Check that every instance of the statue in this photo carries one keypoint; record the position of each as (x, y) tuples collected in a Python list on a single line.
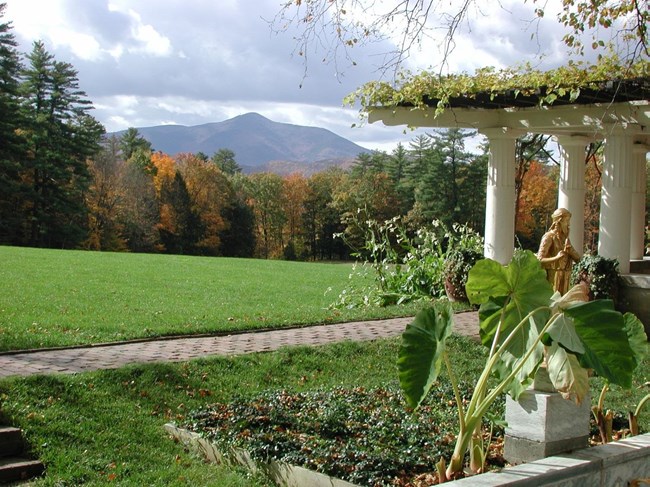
[(556, 253)]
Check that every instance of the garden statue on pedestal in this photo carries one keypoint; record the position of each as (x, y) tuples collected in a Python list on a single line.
[(556, 253)]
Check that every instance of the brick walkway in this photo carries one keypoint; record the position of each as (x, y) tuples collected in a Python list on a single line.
[(83, 359)]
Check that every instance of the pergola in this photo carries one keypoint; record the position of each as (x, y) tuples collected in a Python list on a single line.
[(617, 113)]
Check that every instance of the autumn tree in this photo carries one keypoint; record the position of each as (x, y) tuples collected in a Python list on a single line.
[(593, 189), (538, 201), (211, 193), (103, 198), (372, 197), (294, 196), (320, 219), (265, 198), (138, 213)]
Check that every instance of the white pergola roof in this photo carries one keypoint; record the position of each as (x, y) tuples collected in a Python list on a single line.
[(592, 121)]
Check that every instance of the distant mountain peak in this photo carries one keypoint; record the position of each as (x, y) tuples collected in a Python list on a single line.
[(256, 141)]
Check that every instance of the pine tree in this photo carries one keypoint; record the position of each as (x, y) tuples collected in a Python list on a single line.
[(60, 136), (11, 148)]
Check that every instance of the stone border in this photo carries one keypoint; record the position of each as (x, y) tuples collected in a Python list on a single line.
[(614, 464), (279, 472)]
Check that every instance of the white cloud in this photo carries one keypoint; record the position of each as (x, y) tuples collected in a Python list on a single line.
[(162, 61), (151, 41)]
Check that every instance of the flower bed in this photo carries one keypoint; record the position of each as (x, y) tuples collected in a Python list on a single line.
[(363, 436)]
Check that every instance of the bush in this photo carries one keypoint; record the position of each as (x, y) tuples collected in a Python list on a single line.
[(406, 267), (599, 273)]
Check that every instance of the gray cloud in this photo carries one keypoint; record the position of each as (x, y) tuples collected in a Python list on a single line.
[(162, 61)]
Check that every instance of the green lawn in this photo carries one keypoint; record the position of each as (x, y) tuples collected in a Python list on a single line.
[(63, 297)]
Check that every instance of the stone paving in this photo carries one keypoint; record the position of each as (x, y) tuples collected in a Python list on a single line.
[(112, 356)]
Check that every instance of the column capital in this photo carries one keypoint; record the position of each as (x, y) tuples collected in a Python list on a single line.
[(573, 140), (622, 129), (501, 132)]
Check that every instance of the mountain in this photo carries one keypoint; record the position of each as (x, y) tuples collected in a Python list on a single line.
[(259, 144)]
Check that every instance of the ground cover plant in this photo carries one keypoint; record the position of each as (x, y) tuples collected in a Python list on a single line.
[(364, 436), (55, 297)]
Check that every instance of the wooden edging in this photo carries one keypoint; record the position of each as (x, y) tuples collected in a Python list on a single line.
[(613, 464)]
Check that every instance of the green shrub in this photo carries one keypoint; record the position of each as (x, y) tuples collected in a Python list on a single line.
[(599, 273), (406, 267)]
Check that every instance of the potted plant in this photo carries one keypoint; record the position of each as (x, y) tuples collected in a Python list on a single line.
[(600, 274), (457, 264)]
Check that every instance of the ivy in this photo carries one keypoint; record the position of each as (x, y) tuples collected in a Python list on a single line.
[(364, 436), (422, 90)]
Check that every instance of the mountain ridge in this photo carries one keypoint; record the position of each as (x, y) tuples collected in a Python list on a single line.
[(259, 143)]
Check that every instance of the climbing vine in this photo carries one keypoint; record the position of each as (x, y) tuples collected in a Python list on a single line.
[(429, 88)]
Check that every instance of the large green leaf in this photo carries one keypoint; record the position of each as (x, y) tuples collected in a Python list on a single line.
[(563, 331), (420, 355), (566, 374), (507, 294), (522, 283), (636, 336), (607, 348)]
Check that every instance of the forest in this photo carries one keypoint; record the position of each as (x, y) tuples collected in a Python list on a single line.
[(65, 184)]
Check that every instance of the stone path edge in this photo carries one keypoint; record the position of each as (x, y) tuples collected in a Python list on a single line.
[(217, 334), (178, 349)]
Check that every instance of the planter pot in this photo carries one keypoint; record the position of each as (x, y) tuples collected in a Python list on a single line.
[(454, 293), (614, 464)]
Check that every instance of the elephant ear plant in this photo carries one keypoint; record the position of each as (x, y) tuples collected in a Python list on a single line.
[(524, 324)]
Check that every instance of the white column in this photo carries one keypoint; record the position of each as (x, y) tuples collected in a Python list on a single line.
[(638, 216), (616, 198), (571, 191), (500, 195)]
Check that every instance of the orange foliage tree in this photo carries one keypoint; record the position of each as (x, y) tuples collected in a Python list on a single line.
[(294, 196), (210, 192), (538, 199)]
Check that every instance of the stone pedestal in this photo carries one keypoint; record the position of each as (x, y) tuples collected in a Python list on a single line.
[(543, 424)]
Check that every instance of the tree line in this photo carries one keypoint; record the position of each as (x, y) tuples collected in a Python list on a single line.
[(65, 184)]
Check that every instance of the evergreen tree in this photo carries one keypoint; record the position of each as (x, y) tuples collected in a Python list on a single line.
[(438, 194), (60, 136), (225, 160), (238, 238), (131, 141), (11, 148), (183, 229)]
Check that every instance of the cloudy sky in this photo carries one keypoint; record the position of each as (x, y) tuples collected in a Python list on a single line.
[(153, 62)]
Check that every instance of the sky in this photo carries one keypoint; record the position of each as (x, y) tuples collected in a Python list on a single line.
[(152, 62)]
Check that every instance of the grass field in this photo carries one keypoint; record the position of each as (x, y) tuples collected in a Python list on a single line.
[(63, 297)]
